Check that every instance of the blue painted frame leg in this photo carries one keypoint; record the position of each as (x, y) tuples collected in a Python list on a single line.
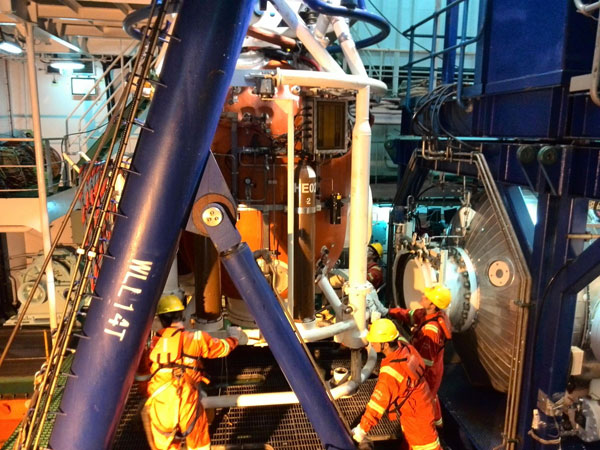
[(275, 327), (450, 37), (155, 204), (546, 371)]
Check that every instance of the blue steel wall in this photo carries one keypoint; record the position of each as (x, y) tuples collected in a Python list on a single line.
[(536, 43), (530, 52)]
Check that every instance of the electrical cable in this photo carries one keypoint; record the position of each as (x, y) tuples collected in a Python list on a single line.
[(398, 31), (63, 140), (428, 112), (358, 14)]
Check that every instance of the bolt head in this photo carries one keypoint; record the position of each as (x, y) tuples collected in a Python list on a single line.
[(212, 217)]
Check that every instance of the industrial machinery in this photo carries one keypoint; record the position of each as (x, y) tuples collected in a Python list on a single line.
[(292, 144), (63, 266), (289, 133), (497, 201)]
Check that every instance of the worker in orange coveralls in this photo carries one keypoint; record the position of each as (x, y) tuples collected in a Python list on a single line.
[(430, 329), (174, 407), (401, 390), (374, 270)]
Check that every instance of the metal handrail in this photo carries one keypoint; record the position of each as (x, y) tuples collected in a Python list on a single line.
[(596, 69), (84, 140), (101, 104), (464, 41), (98, 102)]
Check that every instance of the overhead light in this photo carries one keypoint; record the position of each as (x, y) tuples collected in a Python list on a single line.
[(9, 44), (67, 65)]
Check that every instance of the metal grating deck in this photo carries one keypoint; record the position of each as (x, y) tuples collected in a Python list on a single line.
[(254, 370), (52, 411)]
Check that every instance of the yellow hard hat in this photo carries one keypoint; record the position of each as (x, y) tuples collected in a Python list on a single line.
[(169, 303), (383, 330), (378, 248), (439, 295)]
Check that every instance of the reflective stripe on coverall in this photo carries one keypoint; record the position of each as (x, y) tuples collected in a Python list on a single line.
[(429, 335), (401, 386), (174, 401)]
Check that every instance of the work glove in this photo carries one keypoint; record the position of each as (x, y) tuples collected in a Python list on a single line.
[(238, 333), (358, 434)]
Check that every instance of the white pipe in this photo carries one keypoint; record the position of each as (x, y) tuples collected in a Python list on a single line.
[(360, 221), (342, 31), (350, 386), (296, 23), (317, 334), (286, 398), (40, 173), (586, 8), (359, 184), (320, 30), (330, 295), (287, 104), (290, 204), (329, 80)]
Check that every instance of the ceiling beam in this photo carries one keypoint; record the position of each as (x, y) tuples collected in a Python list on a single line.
[(73, 4), (43, 35), (17, 9), (64, 12), (131, 2), (7, 19), (97, 23), (93, 31), (124, 7)]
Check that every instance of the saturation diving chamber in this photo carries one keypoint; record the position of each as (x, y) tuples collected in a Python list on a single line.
[(293, 145), (455, 231), (462, 242)]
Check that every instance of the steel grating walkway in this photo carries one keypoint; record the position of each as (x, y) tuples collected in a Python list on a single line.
[(52, 411), (254, 370)]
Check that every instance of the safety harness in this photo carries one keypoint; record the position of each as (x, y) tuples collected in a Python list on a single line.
[(168, 354), (416, 373), (442, 324)]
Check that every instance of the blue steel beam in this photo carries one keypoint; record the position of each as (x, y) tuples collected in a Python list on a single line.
[(450, 35), (559, 266), (275, 327), (551, 324), (155, 204), (576, 171), (585, 269)]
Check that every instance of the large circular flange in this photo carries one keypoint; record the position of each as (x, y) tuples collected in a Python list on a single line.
[(460, 277), (416, 274)]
